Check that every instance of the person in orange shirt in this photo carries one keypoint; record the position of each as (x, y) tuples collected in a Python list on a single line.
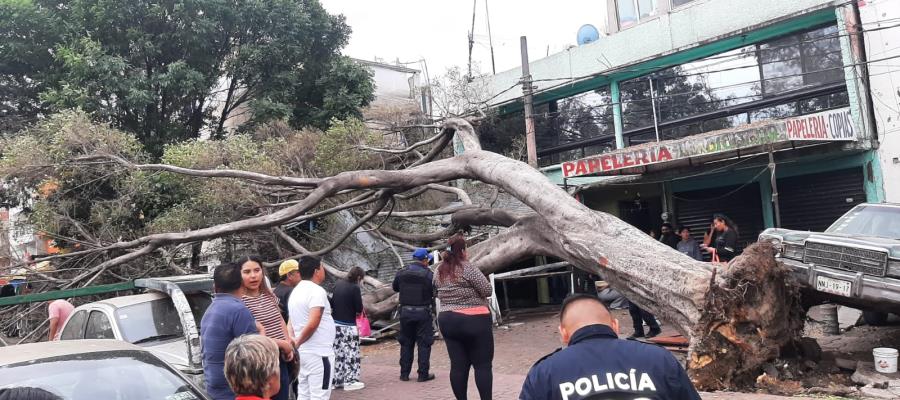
[(252, 368)]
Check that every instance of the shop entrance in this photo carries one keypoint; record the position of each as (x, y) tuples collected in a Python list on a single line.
[(643, 214)]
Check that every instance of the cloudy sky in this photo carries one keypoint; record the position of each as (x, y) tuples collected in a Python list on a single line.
[(436, 30)]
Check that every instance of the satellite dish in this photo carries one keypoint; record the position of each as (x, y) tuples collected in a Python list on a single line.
[(587, 34)]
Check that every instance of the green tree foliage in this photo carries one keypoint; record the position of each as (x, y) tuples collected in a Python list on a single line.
[(169, 71), (94, 201)]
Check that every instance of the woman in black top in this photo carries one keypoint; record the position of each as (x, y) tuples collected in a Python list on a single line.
[(346, 305), (724, 243)]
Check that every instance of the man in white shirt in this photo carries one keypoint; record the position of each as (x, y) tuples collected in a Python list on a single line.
[(310, 316)]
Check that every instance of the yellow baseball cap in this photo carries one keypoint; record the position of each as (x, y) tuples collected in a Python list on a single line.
[(288, 266)]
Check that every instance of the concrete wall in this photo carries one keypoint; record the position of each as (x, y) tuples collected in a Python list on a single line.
[(882, 39), (674, 31)]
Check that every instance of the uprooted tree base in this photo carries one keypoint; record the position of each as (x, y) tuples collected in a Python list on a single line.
[(737, 317), (749, 319)]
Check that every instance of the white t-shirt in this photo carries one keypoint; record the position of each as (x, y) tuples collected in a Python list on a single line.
[(305, 296)]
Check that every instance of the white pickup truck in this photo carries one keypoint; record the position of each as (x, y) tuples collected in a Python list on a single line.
[(164, 321)]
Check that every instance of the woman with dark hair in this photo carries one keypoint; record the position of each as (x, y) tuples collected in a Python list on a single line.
[(263, 304), (465, 319), (723, 242), (346, 305)]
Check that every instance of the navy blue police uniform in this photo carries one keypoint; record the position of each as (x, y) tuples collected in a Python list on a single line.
[(414, 283), (598, 365)]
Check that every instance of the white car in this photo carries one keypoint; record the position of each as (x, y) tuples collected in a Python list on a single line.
[(163, 321), (94, 370)]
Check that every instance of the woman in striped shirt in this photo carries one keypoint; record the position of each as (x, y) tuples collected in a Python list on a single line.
[(264, 306)]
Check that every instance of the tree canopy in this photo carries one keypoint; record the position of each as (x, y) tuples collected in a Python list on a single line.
[(173, 70)]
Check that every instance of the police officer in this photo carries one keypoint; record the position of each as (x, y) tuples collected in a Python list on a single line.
[(596, 364), (414, 283)]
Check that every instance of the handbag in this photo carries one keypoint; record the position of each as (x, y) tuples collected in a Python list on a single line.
[(362, 324)]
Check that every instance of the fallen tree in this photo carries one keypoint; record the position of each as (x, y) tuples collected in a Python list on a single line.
[(736, 316)]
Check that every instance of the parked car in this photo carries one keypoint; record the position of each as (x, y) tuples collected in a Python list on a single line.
[(93, 370), (855, 262), (164, 321)]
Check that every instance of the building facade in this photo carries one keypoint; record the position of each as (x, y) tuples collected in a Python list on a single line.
[(694, 107)]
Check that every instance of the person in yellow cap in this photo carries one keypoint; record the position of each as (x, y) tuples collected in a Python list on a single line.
[(289, 277)]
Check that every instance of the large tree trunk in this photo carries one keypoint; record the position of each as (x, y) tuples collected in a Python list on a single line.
[(736, 316)]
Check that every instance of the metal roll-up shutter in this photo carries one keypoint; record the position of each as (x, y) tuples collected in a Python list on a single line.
[(813, 202), (743, 205)]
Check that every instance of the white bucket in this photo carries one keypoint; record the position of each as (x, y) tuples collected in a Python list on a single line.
[(885, 359)]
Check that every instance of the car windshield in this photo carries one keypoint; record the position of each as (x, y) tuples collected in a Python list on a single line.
[(112, 375), (866, 220), (151, 320)]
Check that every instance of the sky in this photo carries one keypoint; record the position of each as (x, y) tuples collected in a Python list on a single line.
[(437, 30)]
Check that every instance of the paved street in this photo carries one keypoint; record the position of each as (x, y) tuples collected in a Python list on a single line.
[(517, 347)]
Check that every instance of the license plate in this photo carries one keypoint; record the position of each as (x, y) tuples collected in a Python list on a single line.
[(834, 286)]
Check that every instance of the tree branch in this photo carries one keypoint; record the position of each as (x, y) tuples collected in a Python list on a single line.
[(210, 173)]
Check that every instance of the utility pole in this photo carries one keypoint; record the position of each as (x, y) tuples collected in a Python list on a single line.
[(774, 187), (487, 15), (527, 92), (472, 40)]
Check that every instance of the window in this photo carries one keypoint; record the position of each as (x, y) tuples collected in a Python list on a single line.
[(628, 15), (784, 77), (106, 375), (631, 12), (152, 320), (679, 3), (98, 327), (74, 328)]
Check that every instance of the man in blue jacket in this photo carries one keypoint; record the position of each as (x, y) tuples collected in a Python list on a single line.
[(225, 319), (596, 364)]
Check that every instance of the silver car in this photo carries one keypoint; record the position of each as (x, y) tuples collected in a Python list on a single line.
[(855, 262), (94, 370)]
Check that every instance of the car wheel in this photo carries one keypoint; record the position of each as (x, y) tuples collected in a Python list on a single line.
[(874, 318)]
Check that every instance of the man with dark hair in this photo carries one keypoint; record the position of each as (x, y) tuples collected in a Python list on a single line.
[(416, 288), (225, 319), (595, 364), (288, 278), (668, 236), (310, 314)]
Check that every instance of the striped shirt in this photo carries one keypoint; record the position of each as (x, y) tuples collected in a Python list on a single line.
[(265, 309)]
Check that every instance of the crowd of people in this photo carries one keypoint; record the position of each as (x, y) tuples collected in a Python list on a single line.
[(262, 343), (720, 243)]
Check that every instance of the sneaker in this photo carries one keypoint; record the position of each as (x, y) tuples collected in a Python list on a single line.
[(354, 386), (404, 378), (425, 378), (654, 333)]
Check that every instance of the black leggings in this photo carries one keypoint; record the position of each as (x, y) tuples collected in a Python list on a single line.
[(470, 343)]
